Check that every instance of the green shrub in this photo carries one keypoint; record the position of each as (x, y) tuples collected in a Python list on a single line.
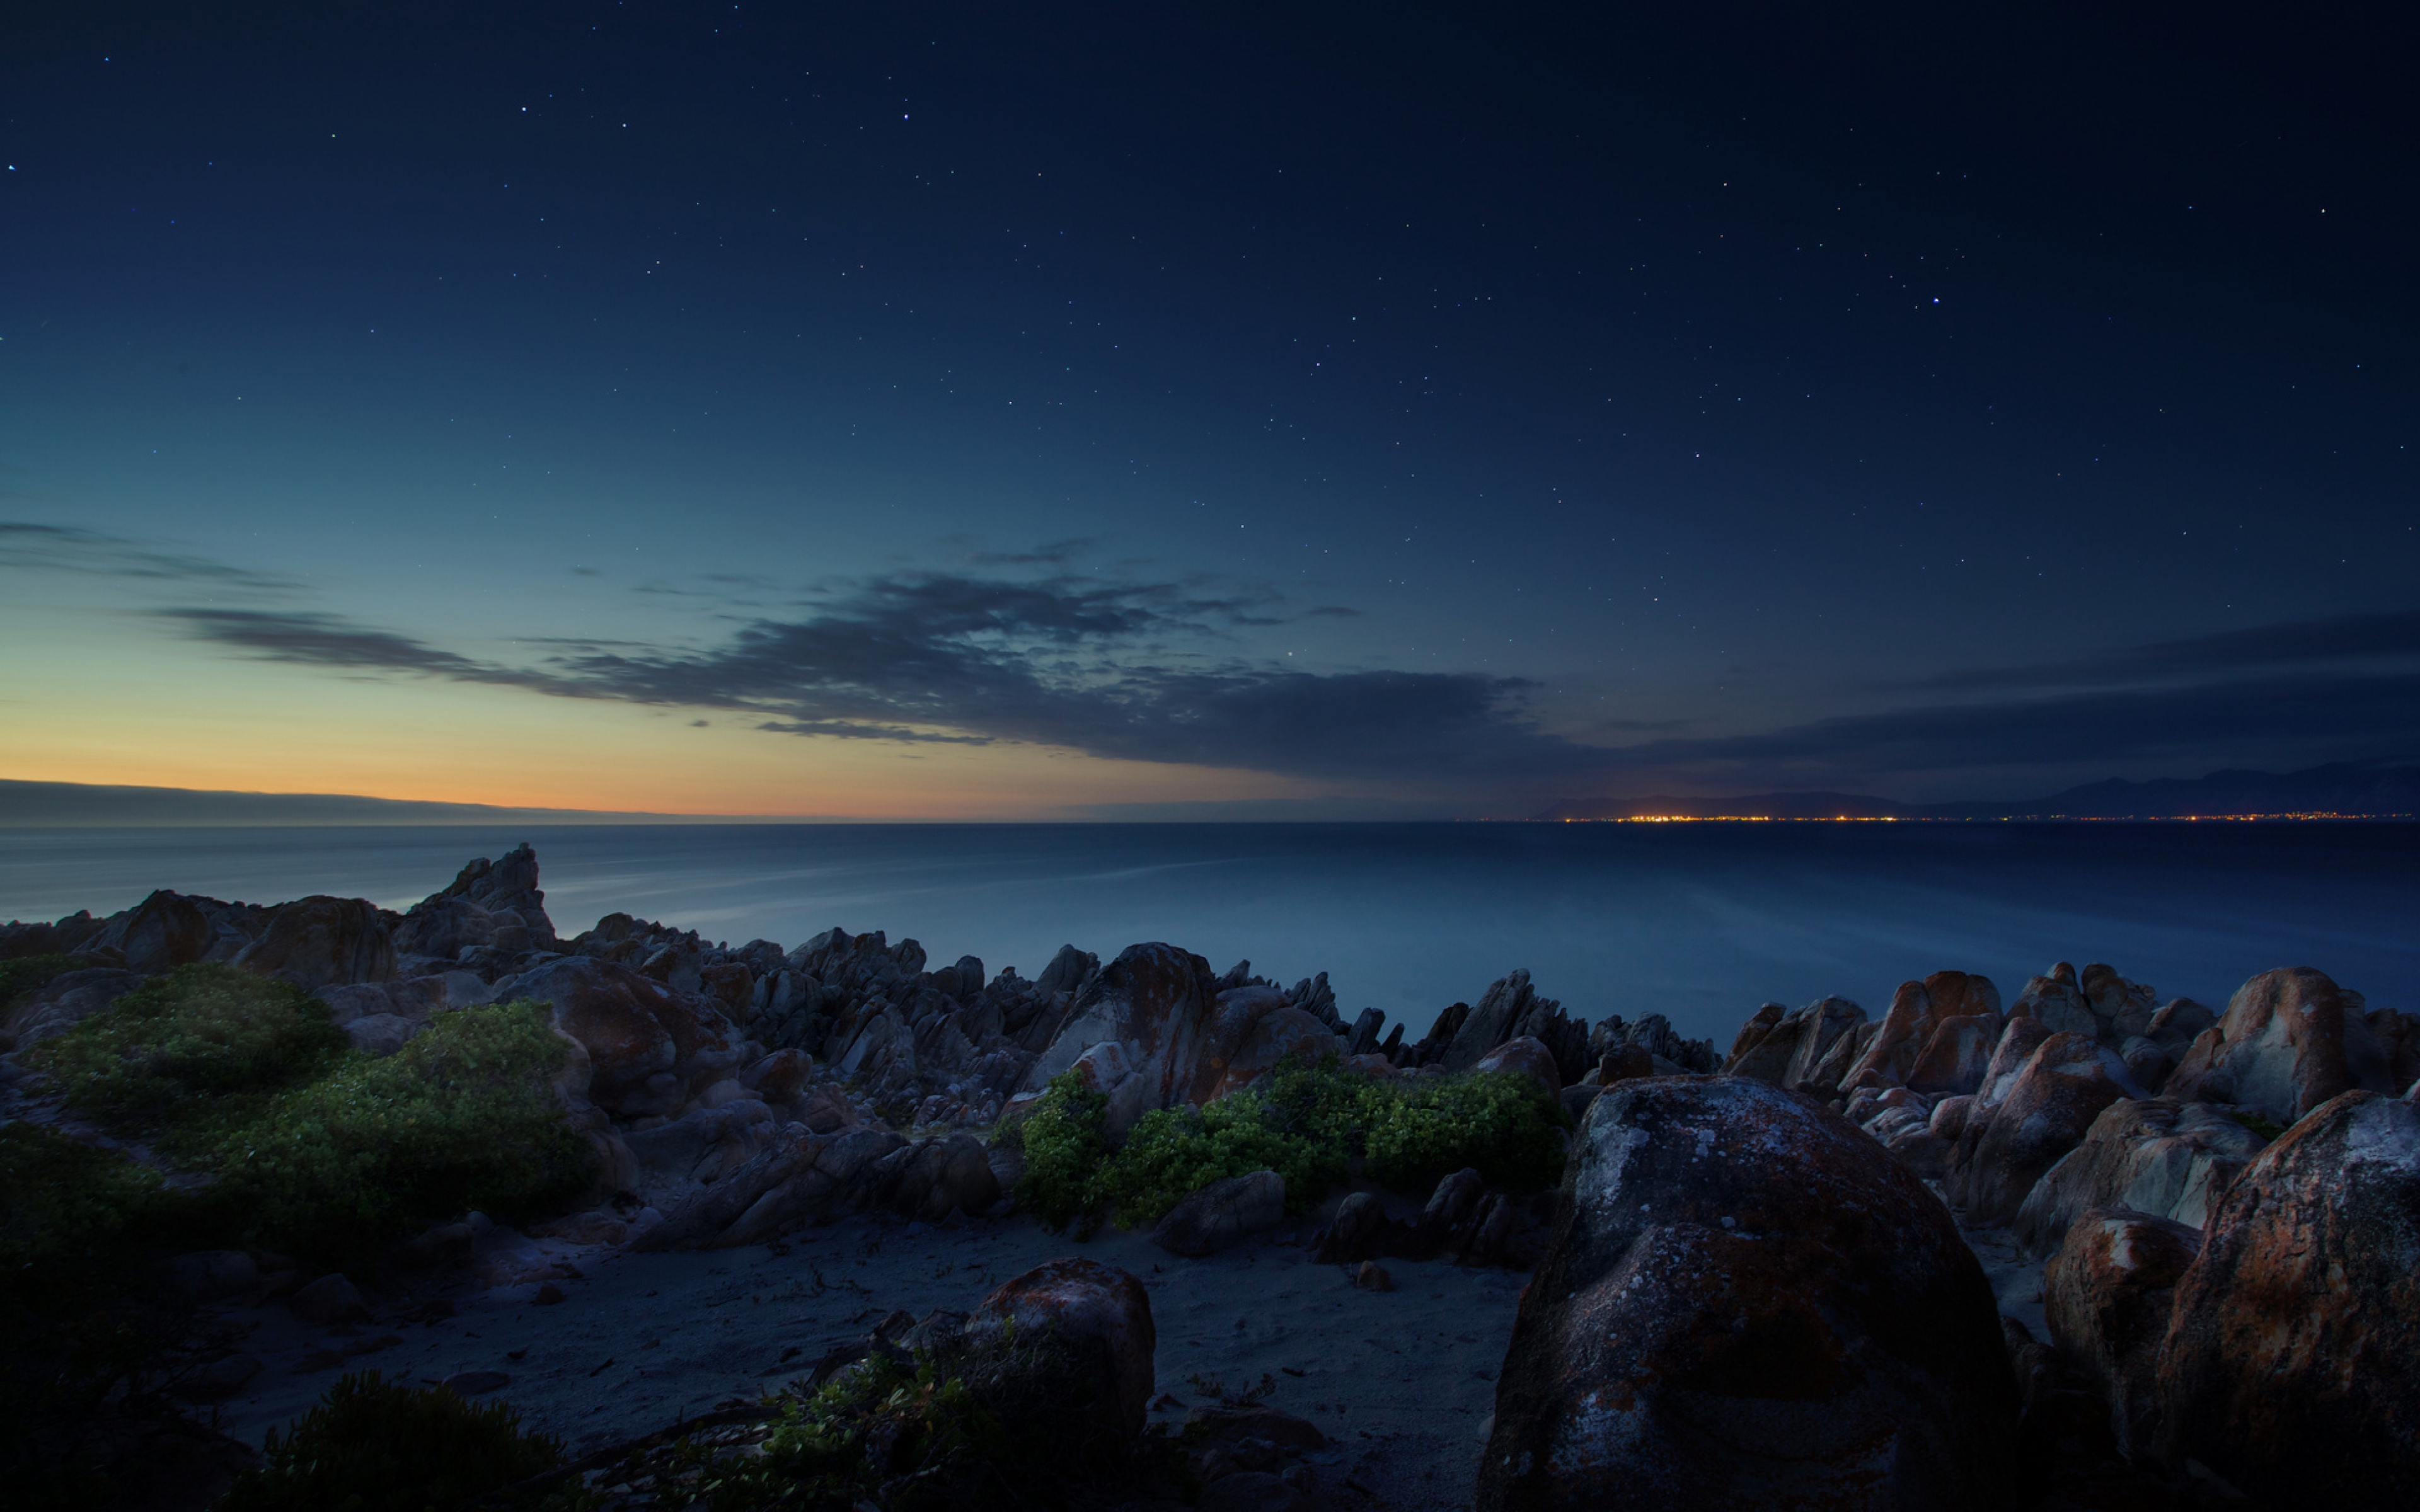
[(2266, 1128), (462, 1116), (372, 1445), (1307, 1122), (1064, 1146), (27, 972), (203, 1043)]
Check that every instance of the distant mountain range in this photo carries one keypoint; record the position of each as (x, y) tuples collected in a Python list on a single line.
[(72, 805), (2345, 790)]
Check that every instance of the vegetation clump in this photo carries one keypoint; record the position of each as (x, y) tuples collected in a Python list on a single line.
[(29, 972), (1310, 1123), (308, 1145), (376, 1445)]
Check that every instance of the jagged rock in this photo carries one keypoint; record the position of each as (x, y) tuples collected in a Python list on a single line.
[(1747, 1305), (798, 1176), (1752, 1036), (2291, 1365), (2169, 1159), (2105, 1295), (1069, 971), (1831, 1073), (2066, 1082), (2287, 1045), (1786, 1047), (1917, 1010), (652, 1049), (1222, 1213), (323, 942), (781, 1076), (1364, 1038), (1076, 1366), (933, 1177), (1529, 1058)]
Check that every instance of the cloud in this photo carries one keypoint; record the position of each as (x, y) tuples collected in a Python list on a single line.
[(1123, 671), (2343, 638), (2326, 718), (29, 545)]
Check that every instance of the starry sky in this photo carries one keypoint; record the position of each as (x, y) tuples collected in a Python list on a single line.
[(1040, 412)]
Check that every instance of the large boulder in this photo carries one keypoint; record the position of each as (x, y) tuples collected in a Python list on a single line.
[(2069, 1079), (2169, 1159), (2056, 1000), (1747, 1304), (2287, 1044), (1827, 1023), (1526, 1057), (321, 942), (1953, 1062), (2291, 1365), (2105, 1296), (1917, 1010), (1222, 1213), (1064, 1351), (652, 1048), (506, 889), (164, 932)]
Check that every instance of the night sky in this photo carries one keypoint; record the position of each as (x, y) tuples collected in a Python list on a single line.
[(1022, 412)]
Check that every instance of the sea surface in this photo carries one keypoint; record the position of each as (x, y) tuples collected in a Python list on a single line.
[(1698, 921)]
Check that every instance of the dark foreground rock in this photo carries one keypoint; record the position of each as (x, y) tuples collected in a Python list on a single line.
[(1747, 1303), (2292, 1361)]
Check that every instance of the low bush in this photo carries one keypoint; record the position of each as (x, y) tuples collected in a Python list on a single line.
[(374, 1445), (1307, 1122), (308, 1145), (203, 1045), (462, 1116)]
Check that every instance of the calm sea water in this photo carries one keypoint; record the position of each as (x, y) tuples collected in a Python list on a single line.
[(1700, 922)]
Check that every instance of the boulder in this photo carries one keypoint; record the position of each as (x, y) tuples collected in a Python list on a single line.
[(652, 1048), (2018, 1042), (1826, 1022), (2105, 1295), (2066, 1082), (330, 1300), (382, 1034), (2159, 1156), (1917, 1010), (781, 1076), (1746, 1058), (1222, 1213), (2057, 1002), (1361, 1227), (162, 933), (1526, 1057), (1064, 1352), (321, 942), (2120, 1009), (506, 890), (1953, 1062), (1155, 1002), (934, 1178), (1747, 1304), (797, 1176), (2292, 1363), (443, 927), (2287, 1045)]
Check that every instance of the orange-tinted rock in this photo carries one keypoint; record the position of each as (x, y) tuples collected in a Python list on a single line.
[(652, 1049), (2105, 1295), (1917, 1010), (2292, 1362), (1090, 1323), (2066, 1082), (1747, 1304), (2287, 1045), (2169, 1159), (1526, 1056), (323, 942), (1955, 1059), (1752, 1034)]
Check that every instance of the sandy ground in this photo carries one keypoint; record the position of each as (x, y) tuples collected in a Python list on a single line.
[(1403, 1382)]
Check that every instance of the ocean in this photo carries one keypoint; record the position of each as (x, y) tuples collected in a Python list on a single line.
[(1698, 922)]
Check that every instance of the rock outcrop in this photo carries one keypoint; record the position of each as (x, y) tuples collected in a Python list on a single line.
[(2286, 1045), (2106, 1295), (1222, 1213), (1748, 1304), (1917, 1011), (323, 942), (2066, 1082), (1077, 1336), (2168, 1159), (2292, 1363), (652, 1049)]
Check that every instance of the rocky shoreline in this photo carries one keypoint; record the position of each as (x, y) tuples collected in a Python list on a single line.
[(1757, 1283)]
